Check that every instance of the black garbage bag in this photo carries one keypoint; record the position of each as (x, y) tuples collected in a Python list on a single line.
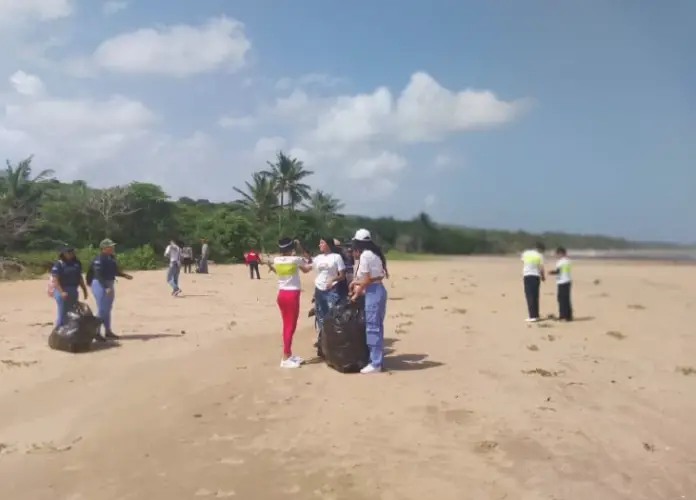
[(78, 332), (342, 340)]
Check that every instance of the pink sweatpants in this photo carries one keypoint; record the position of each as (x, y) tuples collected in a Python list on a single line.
[(289, 305)]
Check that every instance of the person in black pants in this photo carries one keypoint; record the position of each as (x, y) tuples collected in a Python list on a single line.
[(253, 259), (533, 274), (563, 283)]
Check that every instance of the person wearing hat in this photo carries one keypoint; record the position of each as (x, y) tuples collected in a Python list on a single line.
[(287, 267), (102, 276), (369, 274), (66, 278)]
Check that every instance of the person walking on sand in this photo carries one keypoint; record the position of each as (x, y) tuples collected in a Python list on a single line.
[(287, 267), (368, 282), (187, 258), (533, 274), (253, 259), (173, 253), (205, 253), (101, 276), (66, 278), (563, 285)]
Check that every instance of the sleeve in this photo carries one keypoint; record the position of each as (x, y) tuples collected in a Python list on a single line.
[(56, 269), (167, 250), (340, 265)]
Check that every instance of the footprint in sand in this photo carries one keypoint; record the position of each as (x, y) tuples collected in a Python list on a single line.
[(227, 437), (232, 461), (218, 494)]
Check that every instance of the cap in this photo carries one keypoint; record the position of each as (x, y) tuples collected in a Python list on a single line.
[(284, 243), (337, 242), (106, 243), (66, 249), (362, 235)]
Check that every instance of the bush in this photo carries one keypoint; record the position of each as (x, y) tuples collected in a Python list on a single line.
[(137, 259)]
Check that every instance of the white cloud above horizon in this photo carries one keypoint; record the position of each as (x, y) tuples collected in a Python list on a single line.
[(100, 134)]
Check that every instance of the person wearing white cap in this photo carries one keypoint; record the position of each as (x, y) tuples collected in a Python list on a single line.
[(369, 274)]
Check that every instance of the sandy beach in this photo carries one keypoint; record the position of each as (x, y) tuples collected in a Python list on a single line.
[(476, 404)]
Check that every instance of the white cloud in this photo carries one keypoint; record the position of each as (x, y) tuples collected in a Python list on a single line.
[(379, 166), (267, 147), (429, 200), (41, 10), (308, 80), (113, 7), (179, 50), (238, 122), (26, 84)]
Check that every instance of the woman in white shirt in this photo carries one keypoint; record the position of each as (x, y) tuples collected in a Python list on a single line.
[(368, 281), (173, 253), (287, 267), (330, 270)]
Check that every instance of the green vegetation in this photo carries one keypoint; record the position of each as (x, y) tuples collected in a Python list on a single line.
[(38, 213)]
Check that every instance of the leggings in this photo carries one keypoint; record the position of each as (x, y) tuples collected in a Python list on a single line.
[(105, 301), (289, 305)]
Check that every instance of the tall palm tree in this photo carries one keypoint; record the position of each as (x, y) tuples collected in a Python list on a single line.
[(259, 198), (288, 174), (325, 209), (19, 187)]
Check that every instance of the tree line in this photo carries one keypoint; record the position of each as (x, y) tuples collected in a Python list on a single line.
[(39, 213)]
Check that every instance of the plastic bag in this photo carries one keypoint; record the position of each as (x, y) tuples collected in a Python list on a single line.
[(78, 332), (342, 340)]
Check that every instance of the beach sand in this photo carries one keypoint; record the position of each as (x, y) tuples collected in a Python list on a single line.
[(476, 403)]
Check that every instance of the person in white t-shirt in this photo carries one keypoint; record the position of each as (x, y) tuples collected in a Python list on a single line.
[(287, 267), (173, 253), (369, 275), (331, 270), (563, 282), (533, 274)]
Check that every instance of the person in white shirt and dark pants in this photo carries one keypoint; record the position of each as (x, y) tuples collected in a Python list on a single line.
[(370, 272), (563, 283), (533, 274), (173, 253)]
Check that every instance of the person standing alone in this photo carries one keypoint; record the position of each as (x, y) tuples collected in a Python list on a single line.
[(563, 283), (533, 274), (252, 259), (187, 258), (205, 253), (173, 253)]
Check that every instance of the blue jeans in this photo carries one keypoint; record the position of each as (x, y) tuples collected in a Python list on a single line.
[(375, 311), (323, 301), (65, 304), (173, 275), (105, 301)]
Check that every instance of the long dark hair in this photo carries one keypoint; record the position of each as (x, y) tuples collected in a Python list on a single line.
[(362, 245), (332, 246)]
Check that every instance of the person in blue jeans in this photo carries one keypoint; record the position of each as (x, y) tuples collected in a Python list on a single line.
[(369, 274), (66, 274), (101, 276)]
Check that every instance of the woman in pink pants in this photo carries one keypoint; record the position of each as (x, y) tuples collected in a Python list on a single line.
[(287, 267)]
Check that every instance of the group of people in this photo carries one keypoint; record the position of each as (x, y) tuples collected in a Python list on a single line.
[(182, 256), (337, 277), (534, 272)]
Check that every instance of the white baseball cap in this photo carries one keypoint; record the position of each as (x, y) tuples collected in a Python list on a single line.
[(362, 235)]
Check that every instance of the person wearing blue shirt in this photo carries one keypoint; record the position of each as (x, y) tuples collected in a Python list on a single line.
[(66, 274), (101, 276)]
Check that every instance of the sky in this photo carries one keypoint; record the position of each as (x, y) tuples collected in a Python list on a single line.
[(577, 116)]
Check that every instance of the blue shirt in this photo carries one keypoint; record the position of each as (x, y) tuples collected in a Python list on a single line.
[(68, 272), (105, 267)]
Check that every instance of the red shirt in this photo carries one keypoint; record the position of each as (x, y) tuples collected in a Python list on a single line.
[(251, 257)]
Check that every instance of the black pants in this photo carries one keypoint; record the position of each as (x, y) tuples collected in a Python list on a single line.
[(565, 309), (254, 268), (187, 265), (531, 293)]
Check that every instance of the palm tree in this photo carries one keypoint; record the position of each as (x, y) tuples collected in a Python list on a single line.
[(287, 174), (259, 199), (17, 186), (324, 208)]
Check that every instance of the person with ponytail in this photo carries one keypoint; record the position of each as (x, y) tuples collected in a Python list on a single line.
[(287, 267), (370, 273)]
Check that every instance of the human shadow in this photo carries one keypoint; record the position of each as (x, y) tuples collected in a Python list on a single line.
[(583, 318), (389, 346), (409, 362), (148, 336), (102, 346)]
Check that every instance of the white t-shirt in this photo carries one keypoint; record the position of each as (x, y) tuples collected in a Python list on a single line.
[(533, 260), (563, 268), (327, 266), (287, 268), (370, 265), (174, 254)]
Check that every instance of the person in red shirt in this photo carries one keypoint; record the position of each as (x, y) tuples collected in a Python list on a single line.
[(252, 259)]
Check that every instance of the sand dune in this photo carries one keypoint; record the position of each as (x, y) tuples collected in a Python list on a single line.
[(476, 404)]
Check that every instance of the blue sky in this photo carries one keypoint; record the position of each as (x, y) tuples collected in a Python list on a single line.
[(540, 115)]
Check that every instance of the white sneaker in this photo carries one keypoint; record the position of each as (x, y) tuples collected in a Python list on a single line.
[(297, 359), (289, 363), (371, 369), (532, 320)]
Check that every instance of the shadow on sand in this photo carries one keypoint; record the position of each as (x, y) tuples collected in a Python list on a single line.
[(405, 362), (148, 336)]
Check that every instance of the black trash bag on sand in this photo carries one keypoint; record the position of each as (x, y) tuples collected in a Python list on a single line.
[(342, 340), (76, 335)]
